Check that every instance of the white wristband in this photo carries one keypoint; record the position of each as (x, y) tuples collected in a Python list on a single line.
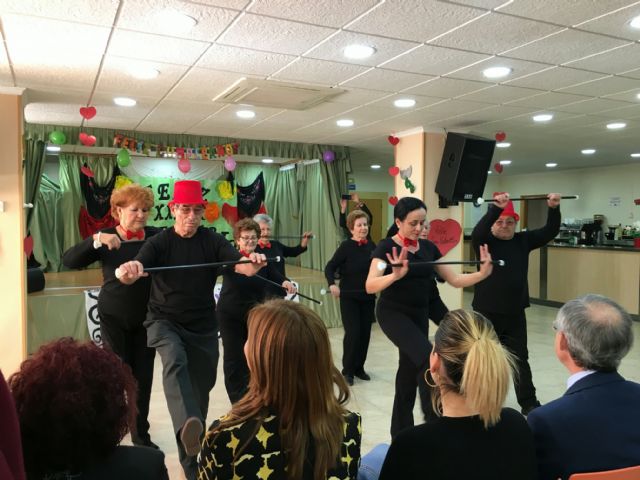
[(97, 243)]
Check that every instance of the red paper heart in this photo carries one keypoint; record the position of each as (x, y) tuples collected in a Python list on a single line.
[(27, 245), (445, 234), (87, 171), (500, 136), (393, 171), (498, 167), (393, 200), (87, 140), (88, 112), (393, 140)]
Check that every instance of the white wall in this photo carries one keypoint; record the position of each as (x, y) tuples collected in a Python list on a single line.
[(368, 180)]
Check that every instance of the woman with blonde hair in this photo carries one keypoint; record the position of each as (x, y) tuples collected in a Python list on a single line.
[(470, 372), (292, 422)]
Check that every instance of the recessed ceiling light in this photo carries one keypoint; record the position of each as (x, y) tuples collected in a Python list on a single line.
[(375, 167), (503, 145), (56, 148), (551, 165), (358, 52), (124, 101), (505, 162), (543, 117), (246, 113), (404, 102), (635, 155), (173, 21), (635, 22), (616, 125), (267, 160), (143, 73), (588, 151), (344, 122), (638, 96), (496, 72)]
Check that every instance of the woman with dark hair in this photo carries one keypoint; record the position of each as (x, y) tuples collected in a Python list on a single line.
[(352, 258), (470, 372), (239, 294), (123, 308), (75, 402), (290, 424), (403, 306)]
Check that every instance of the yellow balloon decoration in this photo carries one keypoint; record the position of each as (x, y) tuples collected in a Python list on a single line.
[(212, 212), (225, 190), (121, 181)]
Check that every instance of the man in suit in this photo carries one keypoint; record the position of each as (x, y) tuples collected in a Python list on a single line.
[(595, 425)]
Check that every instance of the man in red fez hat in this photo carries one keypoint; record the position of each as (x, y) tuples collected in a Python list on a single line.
[(181, 322), (504, 296)]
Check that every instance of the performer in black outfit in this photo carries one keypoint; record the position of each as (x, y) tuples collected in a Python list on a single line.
[(123, 309), (359, 206), (402, 309), (181, 323), (239, 295), (353, 258), (504, 297)]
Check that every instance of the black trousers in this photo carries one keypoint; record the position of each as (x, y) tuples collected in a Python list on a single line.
[(189, 366), (408, 329), (357, 317), (129, 342), (233, 331), (512, 332)]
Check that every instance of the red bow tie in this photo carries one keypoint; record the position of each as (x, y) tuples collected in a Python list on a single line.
[(264, 244), (244, 254), (139, 234), (407, 242), (362, 242)]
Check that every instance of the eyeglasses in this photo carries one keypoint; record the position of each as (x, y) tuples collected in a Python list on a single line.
[(249, 239), (186, 210)]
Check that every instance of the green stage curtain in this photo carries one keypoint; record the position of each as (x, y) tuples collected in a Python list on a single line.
[(47, 226), (34, 156)]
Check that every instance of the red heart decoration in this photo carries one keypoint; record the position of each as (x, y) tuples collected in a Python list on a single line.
[(87, 171), (88, 112), (500, 136), (393, 140), (393, 200), (393, 171), (27, 245), (445, 234), (87, 140), (498, 167)]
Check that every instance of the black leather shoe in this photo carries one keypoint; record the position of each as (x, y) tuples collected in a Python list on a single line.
[(348, 379), (362, 375)]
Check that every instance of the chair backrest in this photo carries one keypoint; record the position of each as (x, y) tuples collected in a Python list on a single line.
[(629, 473)]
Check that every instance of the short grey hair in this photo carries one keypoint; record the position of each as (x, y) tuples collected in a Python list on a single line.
[(263, 218), (599, 332)]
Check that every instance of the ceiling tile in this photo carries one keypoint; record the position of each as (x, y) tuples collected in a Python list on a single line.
[(555, 78), (560, 13), (630, 96), (500, 94), (592, 106), (616, 23), (274, 35), (233, 4), (180, 115), (96, 12), (613, 61), (202, 85), (486, 4), (397, 19), (519, 68), (566, 46), (450, 108), (604, 86), (447, 87), (295, 118), (548, 100), (386, 80), (327, 13), (432, 60), (514, 32), (359, 96), (244, 60), (157, 48), (319, 72)]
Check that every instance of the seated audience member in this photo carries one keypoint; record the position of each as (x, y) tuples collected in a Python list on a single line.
[(75, 402), (11, 464), (595, 425), (290, 424), (473, 436)]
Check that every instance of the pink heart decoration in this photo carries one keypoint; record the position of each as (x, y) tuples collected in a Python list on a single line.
[(27, 245), (87, 140), (500, 136), (88, 112), (393, 200), (498, 167), (393, 140), (87, 171), (445, 234), (393, 171)]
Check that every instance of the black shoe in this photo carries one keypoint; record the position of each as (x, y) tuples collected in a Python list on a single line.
[(362, 375), (144, 442), (348, 379), (527, 409)]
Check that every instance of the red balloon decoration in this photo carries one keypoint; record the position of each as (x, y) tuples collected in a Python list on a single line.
[(498, 167), (393, 140), (393, 200), (501, 136), (88, 112), (184, 165), (393, 171)]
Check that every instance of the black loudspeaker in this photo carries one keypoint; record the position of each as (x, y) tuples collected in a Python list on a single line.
[(463, 170), (35, 280)]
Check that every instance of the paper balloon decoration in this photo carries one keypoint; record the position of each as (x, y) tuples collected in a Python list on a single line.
[(88, 112), (57, 137), (501, 136), (393, 140), (184, 165), (498, 167), (123, 158), (393, 171), (328, 156), (229, 164)]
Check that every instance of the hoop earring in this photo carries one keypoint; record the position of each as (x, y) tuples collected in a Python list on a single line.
[(427, 372)]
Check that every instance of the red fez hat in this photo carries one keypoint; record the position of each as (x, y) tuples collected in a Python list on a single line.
[(510, 212), (187, 192)]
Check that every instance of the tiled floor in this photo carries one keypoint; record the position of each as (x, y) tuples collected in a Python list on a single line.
[(374, 399)]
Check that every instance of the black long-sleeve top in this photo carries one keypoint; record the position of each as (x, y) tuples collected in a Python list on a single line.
[(506, 290), (343, 220), (277, 249), (115, 298), (353, 260)]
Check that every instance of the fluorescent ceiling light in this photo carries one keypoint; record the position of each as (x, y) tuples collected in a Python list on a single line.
[(551, 165), (497, 72), (375, 167), (344, 122), (588, 151), (616, 125), (635, 155), (267, 160), (543, 117), (124, 101), (56, 148), (505, 162), (246, 113), (503, 145), (635, 22), (284, 168), (358, 52), (173, 21), (143, 73), (404, 102)]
